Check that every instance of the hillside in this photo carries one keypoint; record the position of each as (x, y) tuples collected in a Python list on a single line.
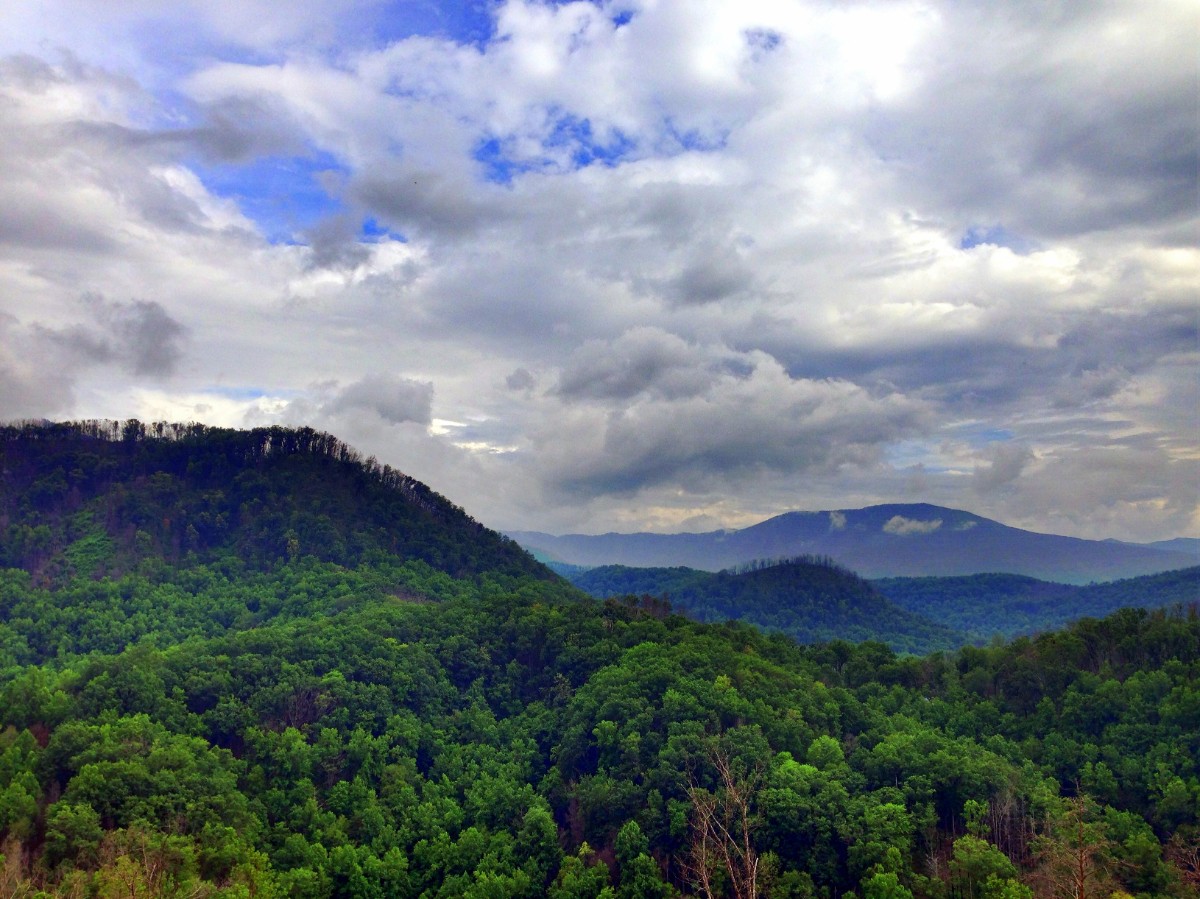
[(984, 605), (95, 498), (808, 600), (913, 540), (417, 709)]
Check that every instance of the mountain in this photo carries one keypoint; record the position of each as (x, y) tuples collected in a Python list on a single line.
[(878, 541), (1188, 545), (984, 605), (252, 663), (810, 601), (94, 498)]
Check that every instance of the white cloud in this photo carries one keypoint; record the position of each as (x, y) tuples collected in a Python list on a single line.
[(709, 263), (904, 527)]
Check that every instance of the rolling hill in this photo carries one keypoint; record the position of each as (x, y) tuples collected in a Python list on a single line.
[(808, 600), (984, 605)]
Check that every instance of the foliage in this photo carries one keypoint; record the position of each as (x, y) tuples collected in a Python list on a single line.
[(378, 722), (1011, 605), (809, 599)]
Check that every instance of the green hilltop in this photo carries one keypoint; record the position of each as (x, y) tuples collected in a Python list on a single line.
[(811, 600)]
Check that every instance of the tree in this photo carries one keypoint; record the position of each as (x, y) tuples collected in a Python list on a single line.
[(723, 823), (1073, 854), (640, 878), (978, 870)]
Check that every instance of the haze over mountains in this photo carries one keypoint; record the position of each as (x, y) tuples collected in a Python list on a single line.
[(895, 540)]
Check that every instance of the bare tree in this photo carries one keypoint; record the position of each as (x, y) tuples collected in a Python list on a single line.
[(1183, 852), (723, 825)]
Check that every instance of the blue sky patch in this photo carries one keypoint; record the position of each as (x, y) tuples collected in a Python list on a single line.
[(463, 21), (997, 236), (497, 166), (695, 139), (570, 133), (905, 454), (240, 394), (372, 231), (979, 435), (280, 194)]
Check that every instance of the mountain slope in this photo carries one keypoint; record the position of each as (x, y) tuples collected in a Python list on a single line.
[(983, 605), (807, 600), (97, 497), (877, 541)]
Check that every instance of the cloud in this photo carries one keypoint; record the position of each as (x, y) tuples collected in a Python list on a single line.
[(395, 400), (741, 426), (837, 521), (423, 200), (710, 262), (640, 360), (147, 337), (520, 379), (333, 243), (1007, 461), (138, 338), (903, 527)]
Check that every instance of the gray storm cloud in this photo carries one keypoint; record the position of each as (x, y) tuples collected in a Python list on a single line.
[(1007, 462), (394, 399), (740, 426), (140, 336), (641, 360)]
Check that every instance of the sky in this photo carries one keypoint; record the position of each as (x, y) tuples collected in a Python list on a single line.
[(665, 265)]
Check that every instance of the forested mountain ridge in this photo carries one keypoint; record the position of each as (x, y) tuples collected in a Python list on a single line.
[(810, 600), (428, 719), (98, 497), (986, 605), (896, 540)]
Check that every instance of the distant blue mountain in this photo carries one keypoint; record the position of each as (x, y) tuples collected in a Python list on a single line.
[(1189, 545), (897, 540)]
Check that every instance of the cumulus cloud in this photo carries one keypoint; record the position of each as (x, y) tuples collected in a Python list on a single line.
[(147, 337), (138, 337), (837, 521), (394, 399), (1007, 461), (640, 360), (903, 527), (740, 426), (520, 379), (708, 262)]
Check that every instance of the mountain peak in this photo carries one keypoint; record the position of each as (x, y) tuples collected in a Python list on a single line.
[(887, 540)]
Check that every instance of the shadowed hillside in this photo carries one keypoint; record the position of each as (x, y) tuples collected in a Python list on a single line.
[(99, 497), (984, 605), (807, 599)]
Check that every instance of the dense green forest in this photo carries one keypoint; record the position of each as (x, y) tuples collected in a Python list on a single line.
[(810, 600), (984, 605), (337, 684)]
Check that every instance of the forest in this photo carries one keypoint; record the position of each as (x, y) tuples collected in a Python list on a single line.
[(814, 599), (255, 664)]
